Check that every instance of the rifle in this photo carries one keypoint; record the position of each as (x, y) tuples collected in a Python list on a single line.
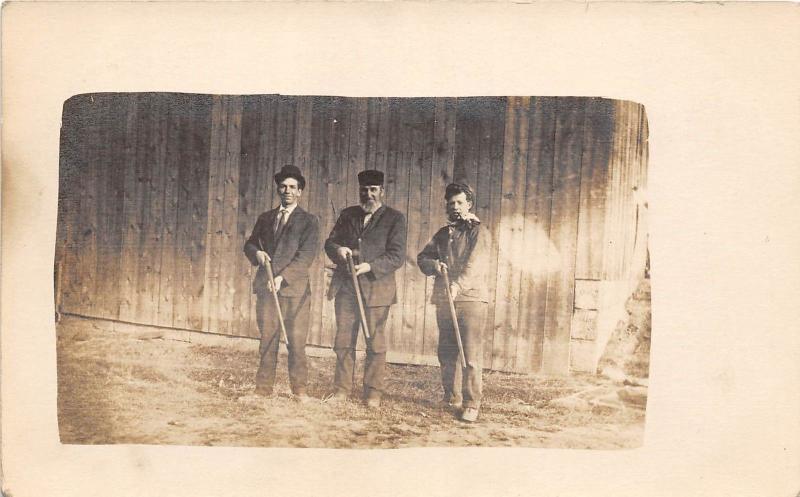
[(453, 316), (274, 291), (359, 298)]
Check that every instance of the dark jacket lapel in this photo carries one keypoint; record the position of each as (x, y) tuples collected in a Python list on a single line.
[(374, 220)]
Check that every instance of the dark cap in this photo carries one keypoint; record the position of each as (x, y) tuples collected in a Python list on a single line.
[(456, 188), (291, 171), (370, 177)]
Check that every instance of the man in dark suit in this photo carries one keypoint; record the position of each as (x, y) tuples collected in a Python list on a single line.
[(288, 237), (462, 248), (375, 236)]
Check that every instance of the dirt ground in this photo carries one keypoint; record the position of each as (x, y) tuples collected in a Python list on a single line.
[(141, 386)]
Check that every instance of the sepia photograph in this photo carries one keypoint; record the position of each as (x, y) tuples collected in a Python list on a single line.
[(340, 272), (396, 248)]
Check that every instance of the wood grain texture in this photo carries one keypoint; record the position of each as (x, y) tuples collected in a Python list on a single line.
[(536, 240), (563, 234), (158, 192), (511, 235)]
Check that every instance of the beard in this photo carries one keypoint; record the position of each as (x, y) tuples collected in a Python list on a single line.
[(370, 205)]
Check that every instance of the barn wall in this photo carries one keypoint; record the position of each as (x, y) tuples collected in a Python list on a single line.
[(159, 191)]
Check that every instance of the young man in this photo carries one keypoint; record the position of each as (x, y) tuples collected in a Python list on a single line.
[(287, 237), (375, 236), (462, 248)]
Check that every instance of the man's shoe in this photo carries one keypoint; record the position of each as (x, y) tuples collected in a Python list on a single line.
[(470, 415), (373, 402), (450, 402)]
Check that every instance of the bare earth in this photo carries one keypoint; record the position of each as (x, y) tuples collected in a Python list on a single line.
[(142, 387)]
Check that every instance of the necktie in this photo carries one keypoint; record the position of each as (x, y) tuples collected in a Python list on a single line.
[(280, 222)]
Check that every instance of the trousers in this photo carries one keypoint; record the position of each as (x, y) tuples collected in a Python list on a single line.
[(462, 384), (348, 323), (295, 317)]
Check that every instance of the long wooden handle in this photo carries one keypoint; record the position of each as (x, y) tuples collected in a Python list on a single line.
[(359, 298), (454, 317), (271, 277)]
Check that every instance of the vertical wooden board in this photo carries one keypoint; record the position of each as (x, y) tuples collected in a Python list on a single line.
[(624, 191), (121, 107), (231, 243), (110, 178), (618, 212), (403, 326), (625, 218), (67, 204), (79, 168), (285, 134), (267, 127), (147, 197), (490, 187), (246, 217), (474, 165), (338, 149), (563, 231), (630, 183), (418, 217), (322, 145), (89, 210), (597, 142), (166, 307), (302, 146), (216, 179), (396, 183), (102, 293), (442, 161), (317, 174), (511, 224), (131, 213), (467, 139), (157, 185), (182, 157), (356, 148), (538, 201), (196, 172), (145, 152), (610, 239)]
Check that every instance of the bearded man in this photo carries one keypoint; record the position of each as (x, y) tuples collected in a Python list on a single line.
[(374, 235)]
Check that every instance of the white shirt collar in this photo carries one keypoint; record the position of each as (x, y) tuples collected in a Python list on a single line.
[(291, 208)]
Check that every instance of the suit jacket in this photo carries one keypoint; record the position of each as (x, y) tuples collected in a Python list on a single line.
[(465, 248), (292, 254), (381, 243)]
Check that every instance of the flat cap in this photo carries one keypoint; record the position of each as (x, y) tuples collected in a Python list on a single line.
[(370, 177)]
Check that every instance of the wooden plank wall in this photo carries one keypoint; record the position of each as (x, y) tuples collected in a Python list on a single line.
[(159, 191)]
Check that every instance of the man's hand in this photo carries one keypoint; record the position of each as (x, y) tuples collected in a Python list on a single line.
[(277, 283), (441, 267), (454, 288), (343, 252), (362, 268), (262, 258)]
